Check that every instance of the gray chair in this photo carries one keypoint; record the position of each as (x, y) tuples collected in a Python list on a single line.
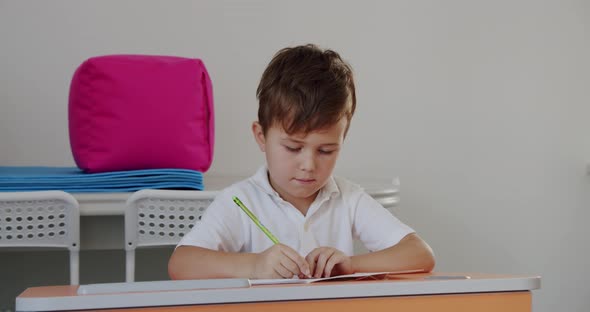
[(155, 218), (45, 219)]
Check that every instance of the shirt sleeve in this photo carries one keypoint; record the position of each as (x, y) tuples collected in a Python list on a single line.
[(376, 227), (220, 228)]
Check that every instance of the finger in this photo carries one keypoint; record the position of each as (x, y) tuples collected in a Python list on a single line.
[(282, 271), (303, 266), (311, 259), (311, 267), (321, 263), (334, 260), (290, 265), (275, 274)]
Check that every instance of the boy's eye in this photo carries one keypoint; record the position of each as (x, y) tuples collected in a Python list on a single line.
[(293, 149), (326, 152)]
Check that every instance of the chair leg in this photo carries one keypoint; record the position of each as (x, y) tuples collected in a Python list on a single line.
[(130, 266), (74, 268)]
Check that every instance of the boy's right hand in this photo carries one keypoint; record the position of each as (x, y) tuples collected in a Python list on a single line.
[(280, 261)]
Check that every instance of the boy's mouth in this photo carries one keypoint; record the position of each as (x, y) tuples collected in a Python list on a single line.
[(305, 181)]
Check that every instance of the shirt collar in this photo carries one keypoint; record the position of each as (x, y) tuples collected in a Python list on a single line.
[(260, 179)]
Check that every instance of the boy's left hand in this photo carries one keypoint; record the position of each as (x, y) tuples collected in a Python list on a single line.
[(328, 261)]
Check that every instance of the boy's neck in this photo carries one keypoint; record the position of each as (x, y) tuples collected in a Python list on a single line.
[(301, 204)]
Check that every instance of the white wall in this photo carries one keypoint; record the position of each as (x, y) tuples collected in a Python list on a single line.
[(480, 107)]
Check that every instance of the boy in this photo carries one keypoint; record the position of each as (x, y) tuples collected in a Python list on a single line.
[(306, 102)]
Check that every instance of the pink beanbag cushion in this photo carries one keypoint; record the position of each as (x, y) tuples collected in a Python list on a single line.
[(131, 112)]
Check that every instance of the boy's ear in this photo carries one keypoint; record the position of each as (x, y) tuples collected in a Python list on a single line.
[(259, 135)]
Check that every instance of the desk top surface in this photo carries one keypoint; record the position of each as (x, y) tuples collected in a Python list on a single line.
[(66, 297)]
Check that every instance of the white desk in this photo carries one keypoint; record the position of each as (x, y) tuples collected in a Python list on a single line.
[(411, 292)]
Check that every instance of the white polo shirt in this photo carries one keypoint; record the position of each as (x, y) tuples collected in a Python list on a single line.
[(341, 212)]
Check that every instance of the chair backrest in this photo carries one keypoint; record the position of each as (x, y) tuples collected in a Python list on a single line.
[(41, 219), (160, 218)]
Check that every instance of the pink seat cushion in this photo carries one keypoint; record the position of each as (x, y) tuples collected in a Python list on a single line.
[(130, 112)]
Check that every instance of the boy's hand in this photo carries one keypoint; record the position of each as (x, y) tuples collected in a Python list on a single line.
[(280, 261), (328, 261)]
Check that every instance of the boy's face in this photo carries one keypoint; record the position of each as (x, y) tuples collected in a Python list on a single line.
[(300, 165)]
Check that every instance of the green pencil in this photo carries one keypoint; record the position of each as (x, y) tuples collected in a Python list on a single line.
[(255, 220)]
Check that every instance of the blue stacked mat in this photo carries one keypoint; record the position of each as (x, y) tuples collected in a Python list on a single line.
[(74, 180)]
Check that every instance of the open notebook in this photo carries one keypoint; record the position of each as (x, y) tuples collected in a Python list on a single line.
[(348, 277)]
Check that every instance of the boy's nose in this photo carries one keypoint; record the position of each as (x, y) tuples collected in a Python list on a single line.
[(307, 162)]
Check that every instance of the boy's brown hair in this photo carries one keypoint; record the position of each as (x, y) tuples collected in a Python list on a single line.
[(305, 88)]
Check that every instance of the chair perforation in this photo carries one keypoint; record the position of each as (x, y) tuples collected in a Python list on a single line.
[(174, 218)]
